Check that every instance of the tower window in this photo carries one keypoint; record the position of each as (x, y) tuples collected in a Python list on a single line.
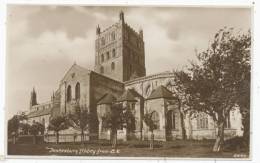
[(108, 56), (69, 93), (112, 66), (103, 42), (113, 36), (114, 52), (101, 69), (77, 91), (102, 57)]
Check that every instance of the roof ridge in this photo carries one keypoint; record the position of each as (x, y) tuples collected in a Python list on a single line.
[(74, 65), (160, 92)]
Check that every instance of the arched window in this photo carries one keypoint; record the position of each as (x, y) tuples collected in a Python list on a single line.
[(202, 121), (112, 66), (69, 93), (171, 120), (108, 56), (114, 52), (77, 91), (102, 57), (156, 119), (101, 69)]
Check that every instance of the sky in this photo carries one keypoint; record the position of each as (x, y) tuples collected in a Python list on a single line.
[(44, 41)]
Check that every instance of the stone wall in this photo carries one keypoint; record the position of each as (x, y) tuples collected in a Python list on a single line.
[(99, 86), (75, 75), (112, 47)]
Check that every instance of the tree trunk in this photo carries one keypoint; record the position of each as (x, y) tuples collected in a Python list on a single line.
[(14, 139), (246, 125), (115, 146), (82, 136), (220, 138), (57, 137), (152, 141), (184, 137), (114, 138), (190, 127)]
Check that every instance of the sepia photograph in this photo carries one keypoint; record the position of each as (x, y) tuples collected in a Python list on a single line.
[(128, 81)]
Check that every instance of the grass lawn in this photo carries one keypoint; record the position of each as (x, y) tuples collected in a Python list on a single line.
[(177, 148)]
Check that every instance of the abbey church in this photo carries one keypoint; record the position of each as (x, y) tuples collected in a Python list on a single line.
[(119, 76)]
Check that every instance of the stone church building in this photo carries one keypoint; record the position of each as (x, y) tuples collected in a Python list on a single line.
[(119, 76)]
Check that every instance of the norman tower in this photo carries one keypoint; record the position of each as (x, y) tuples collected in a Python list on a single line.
[(120, 52)]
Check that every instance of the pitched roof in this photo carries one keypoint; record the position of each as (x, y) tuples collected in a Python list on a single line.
[(77, 68), (128, 95), (106, 99), (40, 112), (160, 92), (135, 93)]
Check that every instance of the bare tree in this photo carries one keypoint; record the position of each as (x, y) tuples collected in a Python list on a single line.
[(80, 120), (215, 83), (57, 124), (151, 125)]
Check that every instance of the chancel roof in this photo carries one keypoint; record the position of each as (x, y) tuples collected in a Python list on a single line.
[(39, 112), (161, 92), (107, 99), (128, 95)]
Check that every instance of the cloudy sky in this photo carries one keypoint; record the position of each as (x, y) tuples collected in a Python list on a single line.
[(44, 41)]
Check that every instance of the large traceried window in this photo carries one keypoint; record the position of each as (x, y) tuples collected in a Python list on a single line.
[(171, 120), (77, 91), (112, 66), (68, 94), (156, 119), (227, 122), (202, 121)]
